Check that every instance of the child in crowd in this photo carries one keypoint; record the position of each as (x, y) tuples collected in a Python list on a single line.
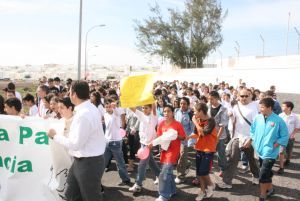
[(169, 157), (28, 101), (114, 139), (147, 133), (293, 124), (54, 108), (206, 135), (13, 106)]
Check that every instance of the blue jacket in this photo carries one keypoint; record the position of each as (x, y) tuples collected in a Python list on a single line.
[(266, 132), (185, 119)]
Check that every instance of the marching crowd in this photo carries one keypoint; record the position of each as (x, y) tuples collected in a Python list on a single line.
[(238, 123)]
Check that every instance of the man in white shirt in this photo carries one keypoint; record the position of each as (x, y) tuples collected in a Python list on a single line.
[(86, 143), (243, 114)]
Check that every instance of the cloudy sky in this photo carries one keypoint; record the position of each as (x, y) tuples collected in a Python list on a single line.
[(46, 31)]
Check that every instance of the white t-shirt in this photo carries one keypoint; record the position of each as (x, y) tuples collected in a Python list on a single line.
[(18, 96), (41, 109), (292, 121), (193, 101), (101, 111), (242, 128), (147, 130), (112, 123), (221, 91), (33, 110)]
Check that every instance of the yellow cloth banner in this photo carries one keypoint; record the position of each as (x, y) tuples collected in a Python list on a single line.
[(136, 91)]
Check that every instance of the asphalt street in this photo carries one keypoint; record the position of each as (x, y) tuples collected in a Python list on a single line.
[(286, 186)]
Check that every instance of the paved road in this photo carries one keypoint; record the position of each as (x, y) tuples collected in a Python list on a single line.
[(287, 186)]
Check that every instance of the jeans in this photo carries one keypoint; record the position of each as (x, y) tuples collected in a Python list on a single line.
[(166, 184), (143, 166), (114, 148), (221, 154)]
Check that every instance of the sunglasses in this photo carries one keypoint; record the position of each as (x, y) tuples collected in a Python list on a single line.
[(244, 96)]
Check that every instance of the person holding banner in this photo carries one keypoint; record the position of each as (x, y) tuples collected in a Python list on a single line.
[(62, 160), (86, 143)]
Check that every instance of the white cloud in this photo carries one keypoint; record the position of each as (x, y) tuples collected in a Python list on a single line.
[(263, 14)]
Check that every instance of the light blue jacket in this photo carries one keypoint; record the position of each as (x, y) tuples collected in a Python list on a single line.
[(186, 121), (267, 132)]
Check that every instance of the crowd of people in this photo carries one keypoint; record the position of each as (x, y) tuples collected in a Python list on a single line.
[(235, 123)]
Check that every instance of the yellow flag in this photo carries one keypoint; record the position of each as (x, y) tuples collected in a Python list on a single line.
[(136, 91)]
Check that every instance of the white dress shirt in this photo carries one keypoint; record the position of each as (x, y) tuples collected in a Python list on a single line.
[(86, 137)]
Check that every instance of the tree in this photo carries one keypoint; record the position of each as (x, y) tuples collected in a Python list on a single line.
[(185, 36)]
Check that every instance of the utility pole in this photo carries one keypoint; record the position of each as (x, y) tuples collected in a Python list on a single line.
[(263, 41), (237, 48), (79, 41), (287, 35), (298, 33)]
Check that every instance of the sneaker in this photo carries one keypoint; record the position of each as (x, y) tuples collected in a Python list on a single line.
[(280, 171), (270, 192), (210, 191), (255, 181), (287, 162), (223, 185), (161, 198), (135, 188), (156, 181), (244, 167), (178, 180), (124, 183), (200, 196)]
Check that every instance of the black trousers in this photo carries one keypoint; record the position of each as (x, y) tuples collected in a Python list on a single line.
[(134, 145), (84, 179)]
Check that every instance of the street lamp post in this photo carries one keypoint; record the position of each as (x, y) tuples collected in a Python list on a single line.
[(87, 58), (263, 41), (298, 33), (85, 52), (287, 35), (237, 48), (79, 41)]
